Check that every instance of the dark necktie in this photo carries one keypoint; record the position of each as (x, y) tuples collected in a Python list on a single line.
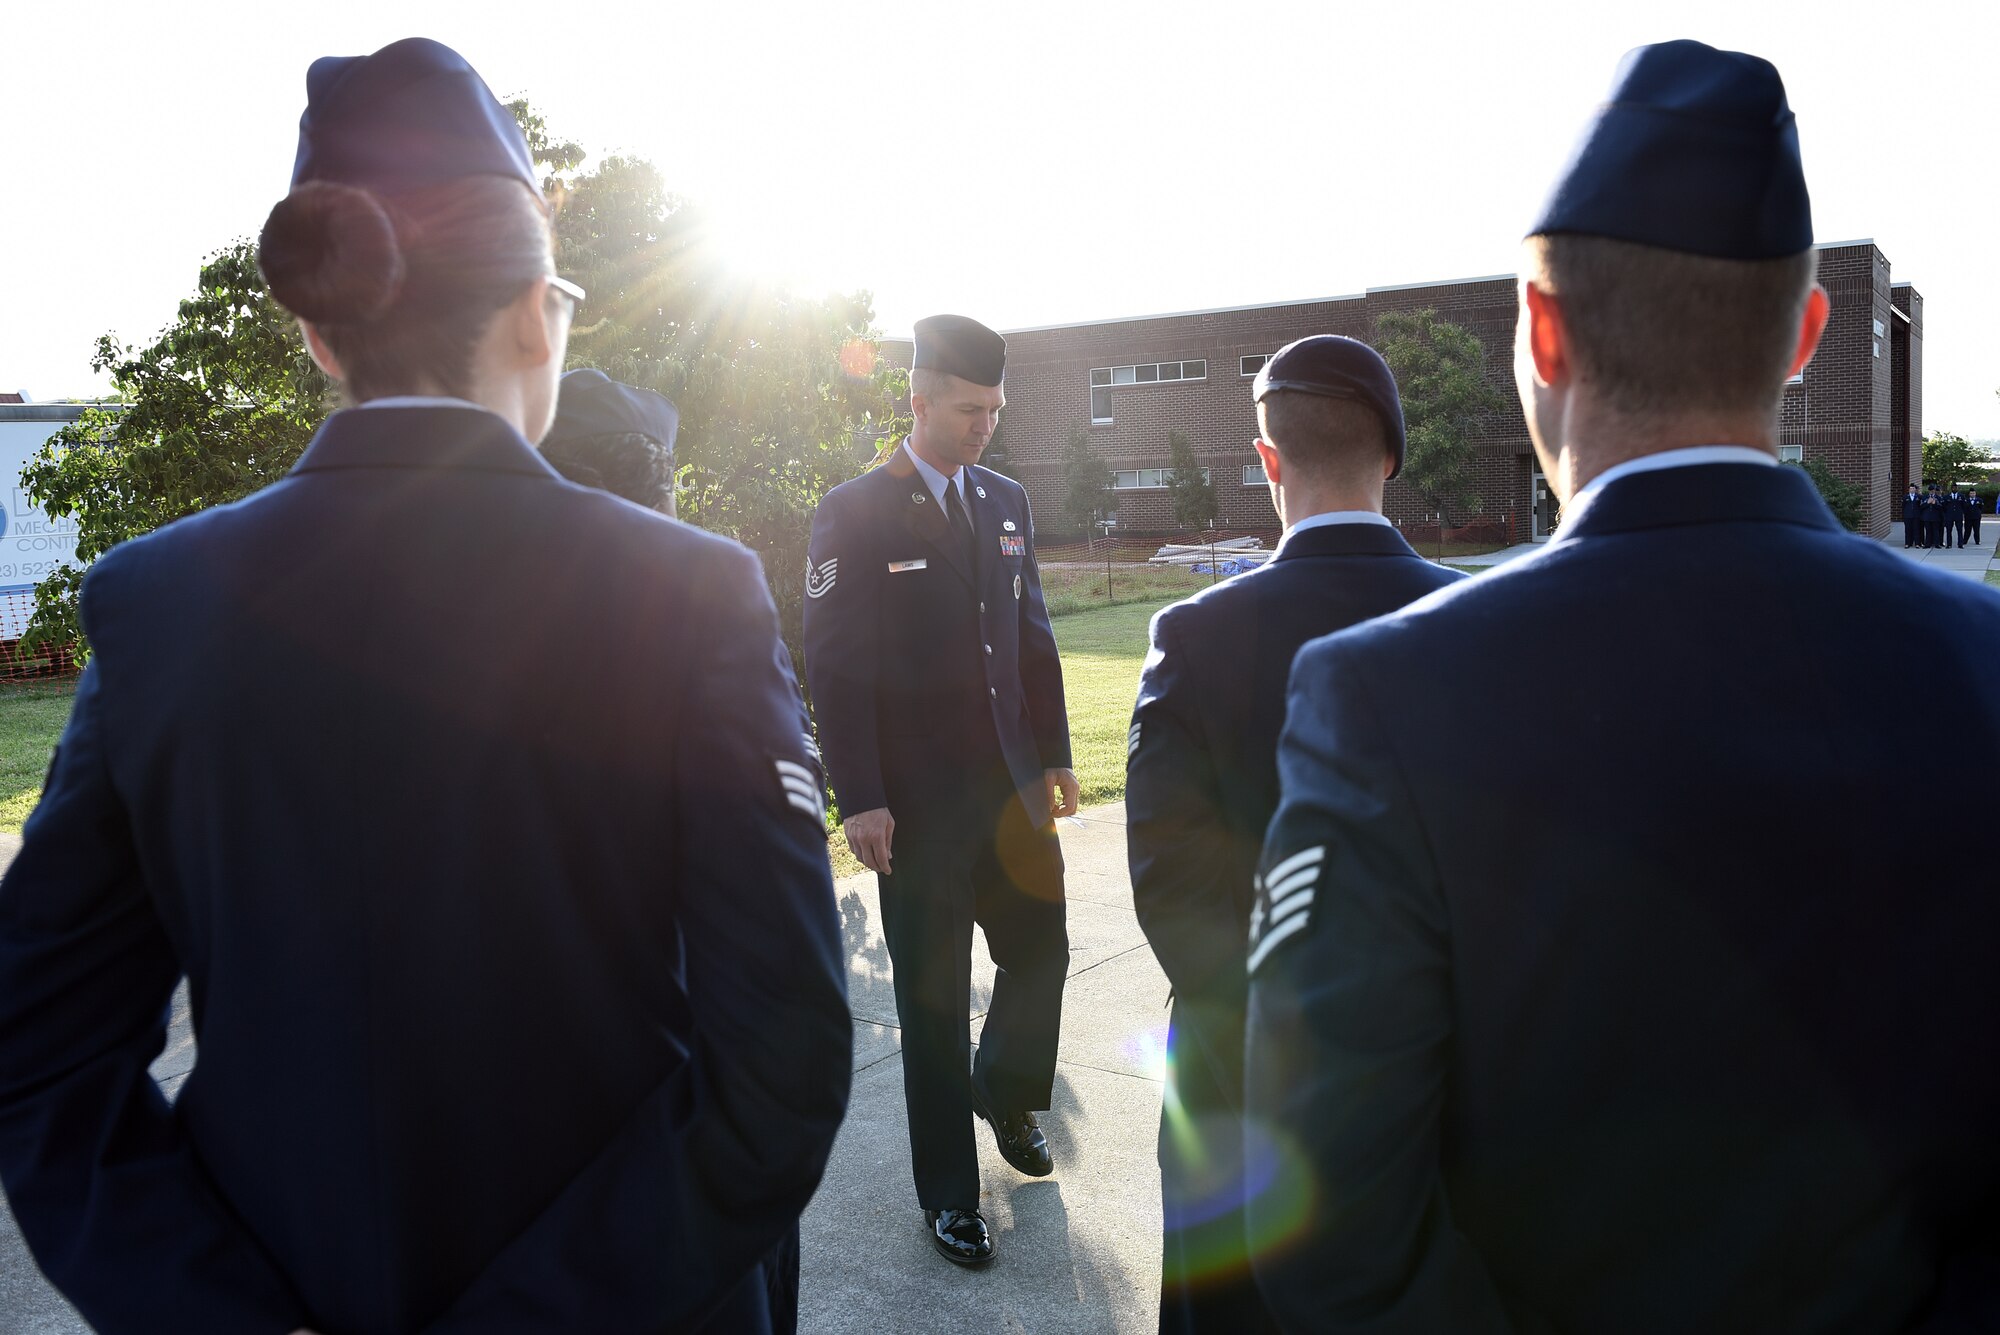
[(961, 523)]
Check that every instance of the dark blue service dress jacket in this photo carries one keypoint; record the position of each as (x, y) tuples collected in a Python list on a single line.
[(478, 811), (1202, 752), (1201, 785), (1588, 978), (922, 658)]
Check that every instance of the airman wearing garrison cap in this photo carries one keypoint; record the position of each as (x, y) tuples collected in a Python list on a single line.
[(1202, 779), (939, 700), (1576, 1000), (477, 809)]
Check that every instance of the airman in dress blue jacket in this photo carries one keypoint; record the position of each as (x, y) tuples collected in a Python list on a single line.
[(1586, 992), (477, 809), (939, 701), (1202, 779)]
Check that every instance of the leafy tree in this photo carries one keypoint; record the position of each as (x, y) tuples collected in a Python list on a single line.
[(1440, 371), (1087, 490), (781, 395), (1950, 458), (1842, 497), (219, 405), (1188, 487)]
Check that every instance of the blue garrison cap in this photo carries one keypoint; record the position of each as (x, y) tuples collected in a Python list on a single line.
[(1696, 150), (1336, 367), (591, 403), (413, 114), (960, 346)]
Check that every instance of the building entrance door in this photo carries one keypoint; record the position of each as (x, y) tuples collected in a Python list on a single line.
[(1548, 508)]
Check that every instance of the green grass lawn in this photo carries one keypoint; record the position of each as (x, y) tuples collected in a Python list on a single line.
[(1993, 578), (1077, 588), (31, 719)]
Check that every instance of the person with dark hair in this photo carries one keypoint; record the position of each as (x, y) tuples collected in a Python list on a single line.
[(1201, 779), (1954, 517), (1913, 516), (1584, 993), (939, 696), (615, 437), (1934, 517), (1975, 504), (519, 998)]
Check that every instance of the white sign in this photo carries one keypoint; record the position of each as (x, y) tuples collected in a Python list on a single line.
[(31, 543)]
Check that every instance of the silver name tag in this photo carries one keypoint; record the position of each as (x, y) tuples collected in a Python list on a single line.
[(898, 567)]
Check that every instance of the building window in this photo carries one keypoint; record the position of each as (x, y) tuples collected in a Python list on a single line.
[(1878, 347), (1253, 475), (1791, 454), (1140, 479), (1102, 378), (1880, 331), (1252, 365)]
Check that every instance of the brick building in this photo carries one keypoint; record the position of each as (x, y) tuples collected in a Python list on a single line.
[(1131, 381)]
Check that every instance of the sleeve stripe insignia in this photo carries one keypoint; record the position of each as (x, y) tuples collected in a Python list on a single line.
[(820, 578), (1132, 740), (801, 788), (1293, 863), (1284, 903), (1270, 942)]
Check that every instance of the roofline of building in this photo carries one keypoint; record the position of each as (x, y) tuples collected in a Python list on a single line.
[(50, 412), (1445, 282), (1174, 315), (1309, 301)]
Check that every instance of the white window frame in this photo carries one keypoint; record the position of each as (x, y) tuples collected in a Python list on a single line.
[(1243, 367), (1139, 476), (1258, 480), (1791, 454)]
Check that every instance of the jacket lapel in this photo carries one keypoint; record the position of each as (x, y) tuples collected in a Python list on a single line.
[(922, 515)]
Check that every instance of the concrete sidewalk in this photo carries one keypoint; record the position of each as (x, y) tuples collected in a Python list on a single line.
[(1078, 1251), (1972, 562)]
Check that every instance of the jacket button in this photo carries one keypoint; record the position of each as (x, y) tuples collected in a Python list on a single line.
[(982, 607), (989, 648), (993, 691)]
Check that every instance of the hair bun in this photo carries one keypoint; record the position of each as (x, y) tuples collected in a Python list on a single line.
[(330, 254)]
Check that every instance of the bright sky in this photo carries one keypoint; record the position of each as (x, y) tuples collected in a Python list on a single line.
[(1025, 163)]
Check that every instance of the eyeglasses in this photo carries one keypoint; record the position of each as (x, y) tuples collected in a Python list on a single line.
[(567, 289)]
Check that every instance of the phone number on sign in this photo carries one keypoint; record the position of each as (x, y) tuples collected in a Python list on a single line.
[(29, 569)]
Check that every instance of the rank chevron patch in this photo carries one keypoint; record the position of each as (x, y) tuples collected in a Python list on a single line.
[(1284, 902), (801, 788), (820, 578)]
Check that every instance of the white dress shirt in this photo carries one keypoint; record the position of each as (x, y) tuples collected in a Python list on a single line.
[(1328, 517), (424, 401), (1692, 457), (937, 481)]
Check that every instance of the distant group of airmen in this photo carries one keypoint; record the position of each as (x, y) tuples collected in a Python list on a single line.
[(1934, 517), (1539, 960)]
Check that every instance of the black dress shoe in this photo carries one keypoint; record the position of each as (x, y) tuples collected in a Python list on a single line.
[(1019, 1136), (960, 1236)]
